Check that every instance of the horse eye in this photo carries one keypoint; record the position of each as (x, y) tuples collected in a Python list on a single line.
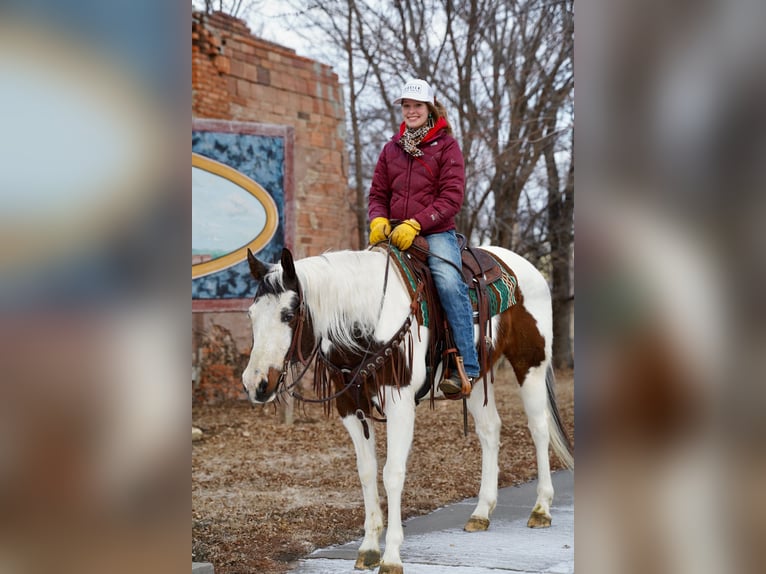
[(287, 315)]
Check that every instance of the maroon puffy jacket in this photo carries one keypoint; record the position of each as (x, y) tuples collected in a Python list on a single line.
[(429, 188)]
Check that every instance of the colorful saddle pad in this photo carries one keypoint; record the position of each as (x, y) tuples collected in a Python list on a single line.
[(500, 293)]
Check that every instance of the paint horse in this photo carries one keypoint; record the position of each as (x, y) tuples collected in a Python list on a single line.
[(348, 307)]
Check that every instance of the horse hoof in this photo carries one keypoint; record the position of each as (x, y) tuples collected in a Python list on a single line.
[(538, 520), (367, 560), (391, 569), (476, 524)]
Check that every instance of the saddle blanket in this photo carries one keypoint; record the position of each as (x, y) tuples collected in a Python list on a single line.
[(500, 293)]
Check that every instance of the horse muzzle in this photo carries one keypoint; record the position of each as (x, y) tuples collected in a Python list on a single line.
[(265, 389)]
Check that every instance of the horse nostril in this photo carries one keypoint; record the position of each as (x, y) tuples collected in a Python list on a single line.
[(262, 387)]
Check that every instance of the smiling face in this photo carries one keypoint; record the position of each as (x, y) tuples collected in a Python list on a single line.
[(414, 113)]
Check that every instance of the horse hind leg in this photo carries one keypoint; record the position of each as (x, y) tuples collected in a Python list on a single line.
[(487, 423), (535, 398), (524, 345), (367, 466)]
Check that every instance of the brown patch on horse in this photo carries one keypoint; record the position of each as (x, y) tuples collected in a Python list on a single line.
[(519, 339), (272, 377)]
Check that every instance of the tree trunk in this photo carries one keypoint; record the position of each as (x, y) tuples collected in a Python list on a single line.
[(361, 196), (560, 217)]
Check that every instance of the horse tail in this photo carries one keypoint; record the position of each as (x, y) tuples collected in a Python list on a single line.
[(559, 438)]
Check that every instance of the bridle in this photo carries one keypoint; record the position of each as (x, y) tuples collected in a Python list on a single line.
[(298, 322), (368, 365)]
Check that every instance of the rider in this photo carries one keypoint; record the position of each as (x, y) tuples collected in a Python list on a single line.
[(419, 180)]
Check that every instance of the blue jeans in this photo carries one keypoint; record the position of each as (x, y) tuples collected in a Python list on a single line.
[(453, 295)]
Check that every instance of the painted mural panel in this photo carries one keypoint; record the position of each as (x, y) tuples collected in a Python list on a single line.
[(231, 213), (238, 202)]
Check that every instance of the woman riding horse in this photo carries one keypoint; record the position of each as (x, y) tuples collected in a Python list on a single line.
[(419, 180)]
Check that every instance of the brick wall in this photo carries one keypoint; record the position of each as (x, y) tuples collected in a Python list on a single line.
[(236, 76)]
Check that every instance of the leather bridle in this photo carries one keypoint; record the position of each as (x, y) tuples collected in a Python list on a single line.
[(367, 365)]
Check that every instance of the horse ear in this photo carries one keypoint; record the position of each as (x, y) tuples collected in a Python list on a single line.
[(289, 277), (257, 269)]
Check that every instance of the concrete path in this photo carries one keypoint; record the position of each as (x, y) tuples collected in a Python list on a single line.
[(437, 544)]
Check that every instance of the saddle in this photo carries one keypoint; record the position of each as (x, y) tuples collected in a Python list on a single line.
[(482, 273)]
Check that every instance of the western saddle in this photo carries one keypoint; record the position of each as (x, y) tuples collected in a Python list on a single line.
[(479, 270)]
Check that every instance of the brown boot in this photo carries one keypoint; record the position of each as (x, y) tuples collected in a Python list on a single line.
[(451, 385), (458, 383)]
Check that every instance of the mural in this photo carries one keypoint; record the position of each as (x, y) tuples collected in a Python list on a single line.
[(230, 214), (238, 199)]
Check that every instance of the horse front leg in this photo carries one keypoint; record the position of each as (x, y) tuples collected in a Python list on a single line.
[(400, 414), (367, 466), (488, 424)]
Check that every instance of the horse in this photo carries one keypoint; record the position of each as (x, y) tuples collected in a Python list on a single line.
[(348, 305)]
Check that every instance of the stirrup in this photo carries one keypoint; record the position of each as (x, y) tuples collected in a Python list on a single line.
[(460, 386)]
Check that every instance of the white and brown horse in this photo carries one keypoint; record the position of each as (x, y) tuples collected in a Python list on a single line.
[(338, 303)]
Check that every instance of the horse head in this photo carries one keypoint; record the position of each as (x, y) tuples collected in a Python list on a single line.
[(275, 315)]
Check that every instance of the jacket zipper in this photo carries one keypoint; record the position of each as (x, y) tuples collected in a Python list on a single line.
[(409, 179)]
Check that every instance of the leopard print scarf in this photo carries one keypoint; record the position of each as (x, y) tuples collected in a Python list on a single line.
[(411, 138)]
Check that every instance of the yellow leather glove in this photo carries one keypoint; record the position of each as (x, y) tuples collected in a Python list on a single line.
[(404, 234), (380, 228)]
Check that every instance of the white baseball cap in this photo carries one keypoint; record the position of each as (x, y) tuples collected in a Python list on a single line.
[(416, 90)]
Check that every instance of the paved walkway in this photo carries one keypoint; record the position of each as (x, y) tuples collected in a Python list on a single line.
[(437, 544)]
